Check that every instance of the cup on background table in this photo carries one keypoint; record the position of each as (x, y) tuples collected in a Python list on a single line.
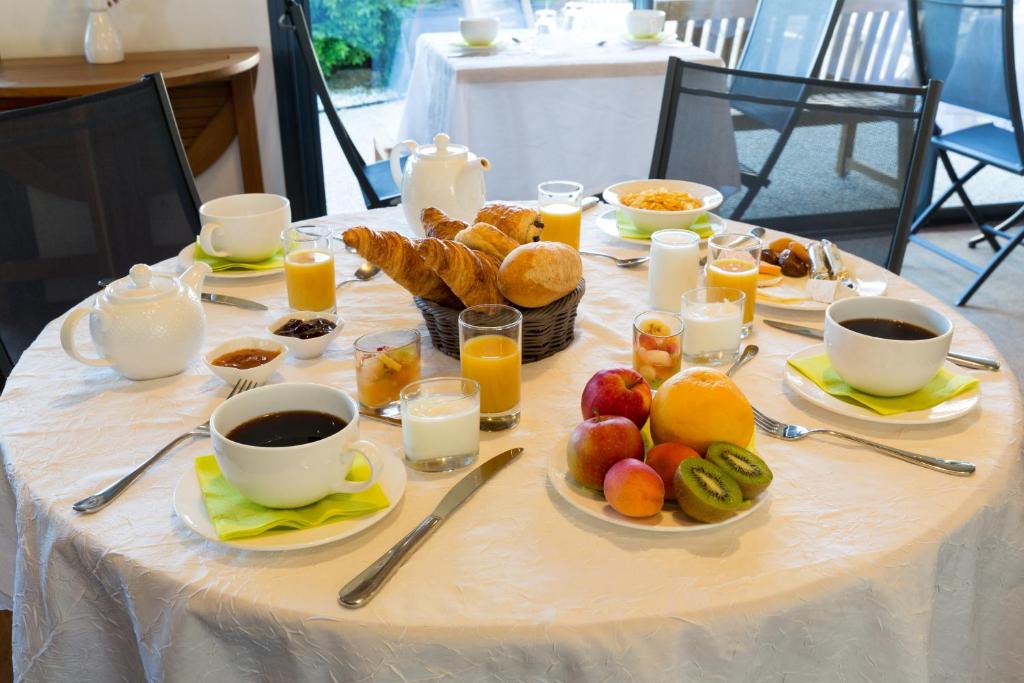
[(733, 261), (545, 25), (243, 227), (479, 31), (490, 352), (674, 267), (657, 345), (713, 320), (441, 423), (385, 363), (309, 268), (645, 23), (559, 204)]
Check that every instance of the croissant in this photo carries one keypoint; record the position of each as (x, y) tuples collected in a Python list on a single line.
[(521, 224), (436, 223), (397, 256), (471, 274)]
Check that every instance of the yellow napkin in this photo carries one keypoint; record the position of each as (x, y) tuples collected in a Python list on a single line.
[(702, 226), (235, 516), (218, 264), (944, 386)]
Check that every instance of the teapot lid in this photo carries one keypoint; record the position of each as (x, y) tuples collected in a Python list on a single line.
[(442, 149), (141, 284)]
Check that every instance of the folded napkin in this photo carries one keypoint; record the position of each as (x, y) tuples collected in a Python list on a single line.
[(235, 516), (702, 226), (218, 264), (944, 386)]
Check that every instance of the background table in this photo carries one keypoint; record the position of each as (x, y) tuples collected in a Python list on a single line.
[(859, 567), (588, 114)]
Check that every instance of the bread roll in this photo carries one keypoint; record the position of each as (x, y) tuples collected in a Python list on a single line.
[(488, 239), (536, 274)]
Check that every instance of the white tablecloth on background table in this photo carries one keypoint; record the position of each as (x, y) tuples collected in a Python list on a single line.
[(859, 567), (588, 114)]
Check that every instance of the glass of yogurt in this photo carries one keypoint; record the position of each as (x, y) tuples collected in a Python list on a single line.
[(441, 423), (712, 324)]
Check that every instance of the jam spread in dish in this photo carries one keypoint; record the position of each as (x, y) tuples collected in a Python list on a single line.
[(244, 359), (305, 329)]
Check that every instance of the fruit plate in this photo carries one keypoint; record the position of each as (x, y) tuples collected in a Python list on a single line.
[(670, 520), (944, 412)]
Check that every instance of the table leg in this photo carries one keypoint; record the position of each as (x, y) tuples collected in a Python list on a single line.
[(242, 87), (6, 656)]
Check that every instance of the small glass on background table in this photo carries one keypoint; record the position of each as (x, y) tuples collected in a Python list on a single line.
[(490, 352), (441, 423), (734, 261), (713, 324), (559, 203), (657, 345), (309, 268), (385, 363), (674, 267)]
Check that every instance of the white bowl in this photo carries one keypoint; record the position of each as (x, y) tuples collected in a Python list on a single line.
[(645, 23), (885, 367), (306, 349), (259, 374), (648, 220), (479, 31)]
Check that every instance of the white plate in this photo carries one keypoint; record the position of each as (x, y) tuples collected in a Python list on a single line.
[(864, 288), (609, 225), (189, 506), (187, 256), (944, 412), (662, 37), (670, 520)]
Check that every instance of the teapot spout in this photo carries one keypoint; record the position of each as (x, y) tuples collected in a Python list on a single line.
[(194, 276)]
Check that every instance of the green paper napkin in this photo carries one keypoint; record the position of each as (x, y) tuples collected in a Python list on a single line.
[(944, 386), (235, 516), (702, 226), (219, 264)]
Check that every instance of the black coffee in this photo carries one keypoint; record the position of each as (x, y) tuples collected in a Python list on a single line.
[(888, 329), (287, 428)]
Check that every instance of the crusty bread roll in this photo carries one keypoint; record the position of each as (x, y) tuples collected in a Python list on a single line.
[(536, 274), (488, 239)]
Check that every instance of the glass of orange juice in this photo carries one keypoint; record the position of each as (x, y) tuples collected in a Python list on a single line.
[(309, 268), (733, 261), (490, 341), (559, 203)]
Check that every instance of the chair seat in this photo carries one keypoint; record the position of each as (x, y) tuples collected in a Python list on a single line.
[(379, 175), (988, 143)]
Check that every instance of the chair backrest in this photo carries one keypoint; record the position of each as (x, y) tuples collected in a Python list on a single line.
[(871, 44), (719, 26), (88, 187), (787, 36), (867, 211)]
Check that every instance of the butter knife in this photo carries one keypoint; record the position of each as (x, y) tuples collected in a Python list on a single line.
[(964, 360), (226, 300), (368, 582)]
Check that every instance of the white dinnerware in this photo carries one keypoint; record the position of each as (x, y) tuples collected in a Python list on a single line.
[(608, 223), (259, 374), (306, 349), (674, 268), (244, 227), (187, 256), (645, 23), (796, 288), (145, 325), (479, 31), (648, 220)]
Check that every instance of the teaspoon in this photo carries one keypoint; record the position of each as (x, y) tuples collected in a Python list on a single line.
[(364, 272), (748, 353), (620, 262)]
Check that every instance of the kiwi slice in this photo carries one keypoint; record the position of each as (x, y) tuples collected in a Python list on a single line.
[(749, 471), (705, 492)]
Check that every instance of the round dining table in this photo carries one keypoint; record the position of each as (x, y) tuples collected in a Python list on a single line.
[(857, 567)]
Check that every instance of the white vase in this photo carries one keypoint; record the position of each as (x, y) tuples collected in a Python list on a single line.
[(102, 43)]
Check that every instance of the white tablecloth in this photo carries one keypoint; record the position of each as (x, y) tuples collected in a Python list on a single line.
[(588, 113), (860, 567)]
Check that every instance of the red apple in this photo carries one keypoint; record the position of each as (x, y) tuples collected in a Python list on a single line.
[(600, 442), (618, 391), (664, 459)]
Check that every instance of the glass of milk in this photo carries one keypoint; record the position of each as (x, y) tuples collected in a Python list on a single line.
[(712, 324), (674, 267), (441, 423)]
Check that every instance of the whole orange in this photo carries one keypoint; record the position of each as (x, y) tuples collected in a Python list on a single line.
[(699, 406)]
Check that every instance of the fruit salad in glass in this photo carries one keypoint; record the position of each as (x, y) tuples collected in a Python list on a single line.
[(385, 363), (657, 345)]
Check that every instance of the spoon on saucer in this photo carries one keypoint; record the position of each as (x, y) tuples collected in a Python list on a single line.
[(363, 273), (620, 262)]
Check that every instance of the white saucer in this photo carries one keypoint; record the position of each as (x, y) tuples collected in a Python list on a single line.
[(670, 520), (609, 225), (864, 288), (662, 37), (466, 48), (955, 407), (189, 506), (187, 256)]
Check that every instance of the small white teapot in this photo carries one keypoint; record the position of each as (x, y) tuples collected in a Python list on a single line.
[(445, 176), (144, 325)]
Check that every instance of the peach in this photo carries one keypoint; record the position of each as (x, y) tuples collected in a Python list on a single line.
[(664, 459), (634, 489)]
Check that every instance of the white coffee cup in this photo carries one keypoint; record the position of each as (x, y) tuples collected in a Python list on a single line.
[(244, 227), (885, 367), (292, 476), (479, 31), (645, 23)]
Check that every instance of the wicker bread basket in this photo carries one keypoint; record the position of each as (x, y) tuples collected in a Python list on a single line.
[(546, 330)]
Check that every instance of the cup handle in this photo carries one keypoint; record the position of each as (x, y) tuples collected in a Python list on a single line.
[(372, 453), (206, 239), (67, 334)]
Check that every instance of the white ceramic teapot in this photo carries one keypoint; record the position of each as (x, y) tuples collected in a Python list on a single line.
[(448, 177), (144, 325)]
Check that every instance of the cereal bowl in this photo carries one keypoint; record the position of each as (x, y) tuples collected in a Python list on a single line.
[(650, 220), (259, 374), (306, 349)]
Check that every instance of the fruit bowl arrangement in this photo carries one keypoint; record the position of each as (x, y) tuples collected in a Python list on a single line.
[(667, 462)]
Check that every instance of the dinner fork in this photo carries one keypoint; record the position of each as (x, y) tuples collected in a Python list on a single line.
[(790, 432), (102, 499)]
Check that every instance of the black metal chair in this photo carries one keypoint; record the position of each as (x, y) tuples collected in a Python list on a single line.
[(375, 181), (88, 187), (970, 46), (807, 194)]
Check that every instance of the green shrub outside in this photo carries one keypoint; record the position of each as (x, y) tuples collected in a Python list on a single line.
[(357, 33)]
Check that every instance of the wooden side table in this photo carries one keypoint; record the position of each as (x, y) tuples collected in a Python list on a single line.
[(211, 92)]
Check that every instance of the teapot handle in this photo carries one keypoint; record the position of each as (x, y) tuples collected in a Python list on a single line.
[(67, 334), (396, 168)]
